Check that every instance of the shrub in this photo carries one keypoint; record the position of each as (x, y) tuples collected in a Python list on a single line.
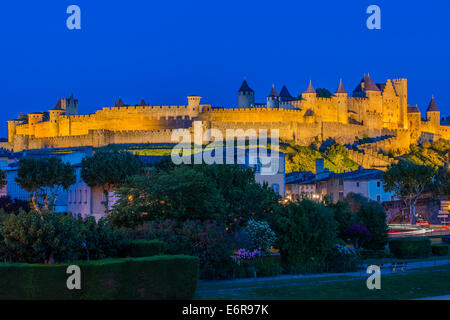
[(306, 234), (342, 259), (410, 248), (261, 235), (204, 239), (160, 277), (31, 237), (266, 266), (145, 248), (372, 215), (439, 249)]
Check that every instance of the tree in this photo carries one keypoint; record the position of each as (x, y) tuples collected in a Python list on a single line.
[(306, 233), (409, 181), (442, 182), (44, 179), (323, 93), (181, 194), (372, 215), (109, 170)]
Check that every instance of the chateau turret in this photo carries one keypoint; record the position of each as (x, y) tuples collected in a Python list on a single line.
[(273, 99), (246, 96), (342, 103), (434, 115), (194, 105)]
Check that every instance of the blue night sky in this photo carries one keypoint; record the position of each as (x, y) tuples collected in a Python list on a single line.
[(164, 50)]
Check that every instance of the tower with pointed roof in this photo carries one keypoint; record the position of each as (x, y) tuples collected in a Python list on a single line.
[(309, 98), (434, 115), (246, 96), (342, 103), (273, 99)]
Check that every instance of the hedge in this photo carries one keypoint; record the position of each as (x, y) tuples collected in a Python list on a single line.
[(158, 277), (440, 249), (410, 247), (145, 248)]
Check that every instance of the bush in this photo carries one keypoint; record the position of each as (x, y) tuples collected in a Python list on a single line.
[(439, 249), (31, 237), (204, 239), (410, 248), (306, 234), (145, 248), (160, 277), (372, 215), (342, 259), (261, 235)]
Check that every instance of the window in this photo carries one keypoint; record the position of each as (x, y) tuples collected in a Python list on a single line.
[(75, 195), (378, 184), (85, 196), (378, 198), (331, 197), (341, 195), (81, 196), (341, 181), (357, 184)]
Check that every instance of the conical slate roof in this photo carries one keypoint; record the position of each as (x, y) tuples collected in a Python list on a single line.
[(341, 88), (285, 95), (273, 93), (245, 87), (432, 106), (143, 103), (310, 88), (119, 103)]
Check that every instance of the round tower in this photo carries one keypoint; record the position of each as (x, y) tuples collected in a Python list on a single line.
[(246, 96), (194, 105), (273, 99), (342, 103), (434, 116)]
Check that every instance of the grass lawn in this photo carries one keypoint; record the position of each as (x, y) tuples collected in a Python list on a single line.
[(426, 282)]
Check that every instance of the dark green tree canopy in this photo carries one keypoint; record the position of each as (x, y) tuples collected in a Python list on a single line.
[(44, 178)]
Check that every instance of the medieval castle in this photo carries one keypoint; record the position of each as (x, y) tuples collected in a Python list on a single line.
[(372, 110)]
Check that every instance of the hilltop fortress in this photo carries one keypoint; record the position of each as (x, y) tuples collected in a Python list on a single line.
[(372, 110)]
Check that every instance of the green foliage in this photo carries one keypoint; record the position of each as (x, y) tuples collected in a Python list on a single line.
[(145, 248), (442, 181), (261, 234), (306, 234), (439, 249), (267, 266), (323, 93), (410, 248), (110, 169), (372, 215), (44, 178), (181, 194), (159, 277), (55, 237), (300, 158), (228, 194), (13, 205), (344, 217), (341, 259), (206, 240)]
